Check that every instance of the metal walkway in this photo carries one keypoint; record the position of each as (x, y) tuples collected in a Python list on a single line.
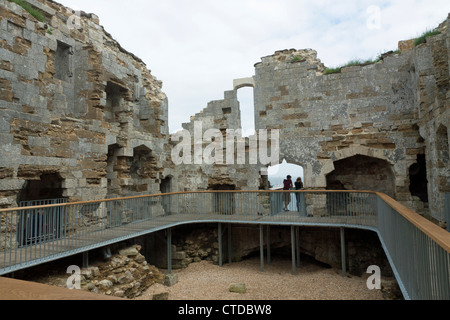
[(417, 250)]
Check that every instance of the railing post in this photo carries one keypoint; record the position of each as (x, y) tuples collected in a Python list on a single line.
[(297, 235), (294, 264), (261, 246), (229, 244), (169, 251), (447, 209), (85, 260), (269, 259), (343, 253), (220, 245)]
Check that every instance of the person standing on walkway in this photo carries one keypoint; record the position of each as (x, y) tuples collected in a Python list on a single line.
[(298, 186), (287, 186)]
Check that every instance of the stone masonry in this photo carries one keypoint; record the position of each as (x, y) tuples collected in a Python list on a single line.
[(370, 127), (221, 115), (76, 109)]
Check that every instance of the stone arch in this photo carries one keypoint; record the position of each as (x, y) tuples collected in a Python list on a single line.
[(296, 170), (243, 82), (328, 165), (361, 172), (360, 150)]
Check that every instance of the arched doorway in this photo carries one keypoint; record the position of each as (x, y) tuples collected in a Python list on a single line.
[(276, 176)]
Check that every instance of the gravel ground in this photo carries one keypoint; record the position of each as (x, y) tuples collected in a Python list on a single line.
[(206, 281)]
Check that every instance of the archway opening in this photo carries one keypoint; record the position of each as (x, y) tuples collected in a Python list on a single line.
[(47, 190), (247, 106), (37, 226), (362, 173), (276, 177), (277, 174)]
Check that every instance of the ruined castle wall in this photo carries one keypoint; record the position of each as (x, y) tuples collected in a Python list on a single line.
[(365, 110), (221, 115), (432, 80), (76, 105), (394, 111)]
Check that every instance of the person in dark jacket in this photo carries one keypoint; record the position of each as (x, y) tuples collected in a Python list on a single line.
[(298, 186), (287, 186)]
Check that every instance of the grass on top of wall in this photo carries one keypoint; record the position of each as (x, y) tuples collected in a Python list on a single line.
[(30, 9), (425, 35), (356, 62)]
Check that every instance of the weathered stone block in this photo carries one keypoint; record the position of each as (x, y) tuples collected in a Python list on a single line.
[(238, 288), (170, 280)]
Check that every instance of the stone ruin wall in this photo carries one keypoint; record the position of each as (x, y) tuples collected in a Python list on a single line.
[(92, 118), (431, 77), (373, 121), (79, 113), (222, 115)]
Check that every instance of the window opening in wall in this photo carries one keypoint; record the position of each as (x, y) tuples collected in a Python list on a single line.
[(247, 106), (226, 110), (418, 179), (113, 100), (63, 61), (36, 226)]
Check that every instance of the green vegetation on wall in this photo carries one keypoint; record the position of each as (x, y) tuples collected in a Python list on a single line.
[(424, 36), (30, 9), (356, 62)]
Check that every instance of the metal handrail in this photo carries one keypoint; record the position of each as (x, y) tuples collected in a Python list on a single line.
[(447, 209), (408, 239)]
